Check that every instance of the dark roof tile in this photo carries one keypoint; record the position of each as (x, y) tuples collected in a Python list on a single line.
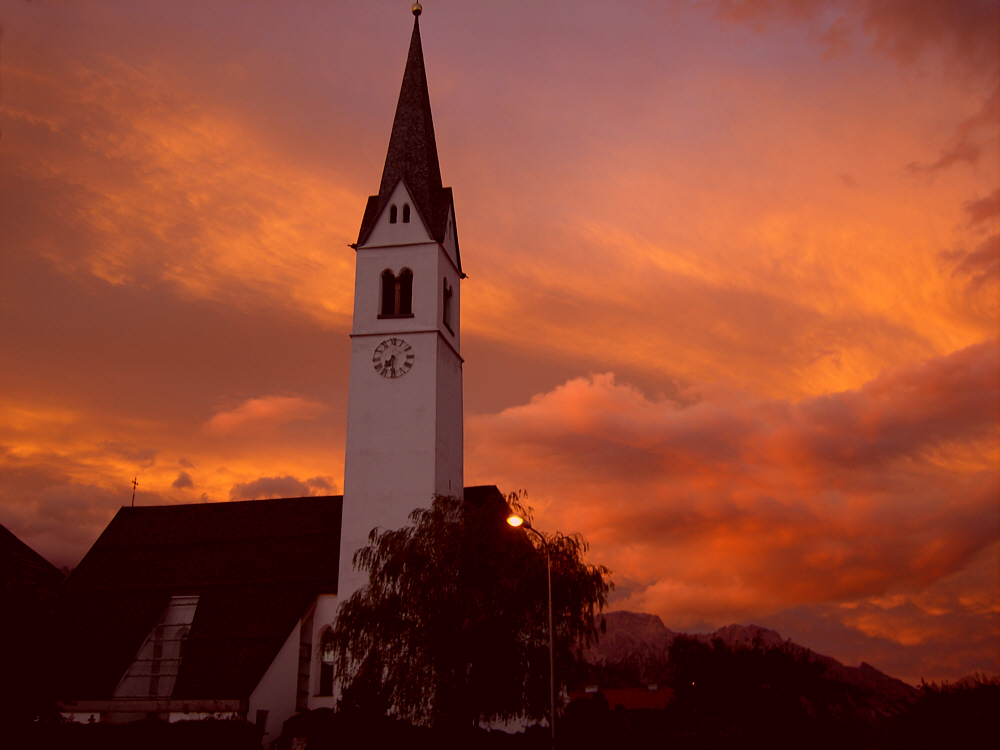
[(255, 565)]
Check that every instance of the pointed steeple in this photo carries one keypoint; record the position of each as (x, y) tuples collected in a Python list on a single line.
[(412, 155), (412, 151)]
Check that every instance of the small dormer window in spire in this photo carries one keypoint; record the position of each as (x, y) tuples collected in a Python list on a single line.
[(406, 213), (392, 214)]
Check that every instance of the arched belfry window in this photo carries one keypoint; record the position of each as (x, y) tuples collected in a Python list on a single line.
[(397, 294), (393, 212), (388, 306), (406, 213), (446, 316), (405, 284)]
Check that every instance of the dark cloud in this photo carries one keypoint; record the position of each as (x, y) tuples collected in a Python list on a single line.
[(58, 517), (183, 481), (283, 486), (320, 483), (965, 31), (983, 209), (961, 152), (947, 632), (973, 137), (906, 411), (981, 266), (847, 180), (945, 646), (142, 457)]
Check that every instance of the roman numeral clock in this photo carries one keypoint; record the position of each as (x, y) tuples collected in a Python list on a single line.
[(393, 358)]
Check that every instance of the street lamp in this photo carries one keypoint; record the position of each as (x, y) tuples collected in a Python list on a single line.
[(519, 521)]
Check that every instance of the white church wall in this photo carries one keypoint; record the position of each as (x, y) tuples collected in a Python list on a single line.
[(323, 617), (447, 270), (371, 262), (389, 469), (448, 400), (450, 245), (275, 693), (449, 428), (404, 434)]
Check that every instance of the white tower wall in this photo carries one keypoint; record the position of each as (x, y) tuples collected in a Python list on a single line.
[(404, 434)]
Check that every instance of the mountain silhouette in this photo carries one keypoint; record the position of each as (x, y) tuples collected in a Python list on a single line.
[(743, 663)]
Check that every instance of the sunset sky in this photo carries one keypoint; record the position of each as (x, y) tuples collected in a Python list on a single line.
[(731, 308)]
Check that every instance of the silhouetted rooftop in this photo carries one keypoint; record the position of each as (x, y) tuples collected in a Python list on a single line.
[(256, 566), (21, 565)]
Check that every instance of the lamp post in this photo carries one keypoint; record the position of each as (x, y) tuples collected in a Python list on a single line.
[(518, 521)]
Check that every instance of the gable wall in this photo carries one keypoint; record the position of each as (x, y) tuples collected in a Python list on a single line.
[(275, 693)]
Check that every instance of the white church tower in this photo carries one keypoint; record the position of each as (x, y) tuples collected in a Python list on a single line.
[(404, 413)]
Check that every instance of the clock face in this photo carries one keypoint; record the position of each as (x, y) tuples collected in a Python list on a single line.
[(393, 358)]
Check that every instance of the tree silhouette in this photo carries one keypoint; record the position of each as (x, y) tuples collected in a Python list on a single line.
[(452, 628)]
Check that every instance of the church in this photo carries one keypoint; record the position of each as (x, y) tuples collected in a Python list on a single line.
[(217, 610)]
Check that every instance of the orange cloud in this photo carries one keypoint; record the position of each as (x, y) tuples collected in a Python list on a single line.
[(161, 186), (730, 506), (263, 413), (283, 486)]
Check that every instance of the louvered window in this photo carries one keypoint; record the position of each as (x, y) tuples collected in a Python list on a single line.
[(396, 294)]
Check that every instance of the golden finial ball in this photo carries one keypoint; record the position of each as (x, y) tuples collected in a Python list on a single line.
[(416, 9)]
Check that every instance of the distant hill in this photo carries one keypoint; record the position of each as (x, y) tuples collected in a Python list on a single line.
[(636, 637), (637, 649), (746, 686)]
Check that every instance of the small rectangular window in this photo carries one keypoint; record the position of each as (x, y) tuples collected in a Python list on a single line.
[(325, 678)]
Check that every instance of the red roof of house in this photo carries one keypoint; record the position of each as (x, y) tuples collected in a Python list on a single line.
[(632, 698)]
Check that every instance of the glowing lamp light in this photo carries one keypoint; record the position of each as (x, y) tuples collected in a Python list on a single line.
[(515, 520)]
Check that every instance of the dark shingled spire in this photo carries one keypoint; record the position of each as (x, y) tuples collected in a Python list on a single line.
[(412, 155)]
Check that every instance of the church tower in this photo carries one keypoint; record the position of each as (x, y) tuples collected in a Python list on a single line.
[(404, 412)]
